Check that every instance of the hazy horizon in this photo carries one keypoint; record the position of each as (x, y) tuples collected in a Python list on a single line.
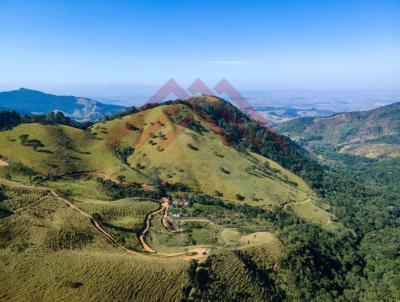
[(337, 100)]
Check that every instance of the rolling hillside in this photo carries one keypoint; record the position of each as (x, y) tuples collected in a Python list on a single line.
[(171, 143), (28, 101), (373, 134), (76, 202)]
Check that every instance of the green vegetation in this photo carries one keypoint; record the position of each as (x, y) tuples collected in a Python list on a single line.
[(9, 119), (123, 152), (59, 255), (363, 192), (371, 134), (271, 235)]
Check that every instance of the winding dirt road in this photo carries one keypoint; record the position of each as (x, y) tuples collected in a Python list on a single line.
[(146, 224), (199, 253), (94, 222), (194, 253)]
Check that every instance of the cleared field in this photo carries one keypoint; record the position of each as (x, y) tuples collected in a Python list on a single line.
[(89, 276), (230, 235), (264, 248), (50, 253), (78, 188), (314, 214), (122, 218), (193, 234)]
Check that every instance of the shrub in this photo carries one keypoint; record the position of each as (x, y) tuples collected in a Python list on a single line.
[(97, 217), (35, 143), (121, 178), (139, 166), (240, 197), (9, 119), (25, 141), (117, 191), (124, 153), (192, 147), (23, 138), (218, 194), (225, 170), (2, 196), (131, 127)]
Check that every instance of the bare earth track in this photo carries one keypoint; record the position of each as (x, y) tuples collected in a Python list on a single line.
[(194, 253)]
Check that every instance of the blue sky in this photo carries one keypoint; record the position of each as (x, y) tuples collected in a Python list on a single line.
[(255, 44)]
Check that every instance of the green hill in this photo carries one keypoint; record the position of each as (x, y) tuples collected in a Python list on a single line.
[(73, 203), (171, 143), (373, 134)]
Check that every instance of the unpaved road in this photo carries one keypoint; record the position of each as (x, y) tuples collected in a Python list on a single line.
[(146, 226), (193, 253), (94, 222), (106, 177)]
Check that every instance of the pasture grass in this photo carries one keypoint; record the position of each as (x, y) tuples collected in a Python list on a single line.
[(50, 253)]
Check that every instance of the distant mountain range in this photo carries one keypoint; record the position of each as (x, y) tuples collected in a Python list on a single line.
[(374, 133), (32, 101)]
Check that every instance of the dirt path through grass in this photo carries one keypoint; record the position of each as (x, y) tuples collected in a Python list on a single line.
[(106, 177), (194, 253), (94, 222), (146, 226)]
